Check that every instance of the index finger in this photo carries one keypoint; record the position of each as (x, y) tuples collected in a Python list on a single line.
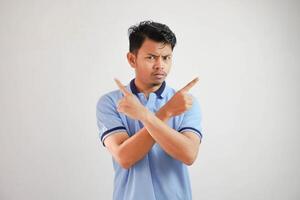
[(190, 85), (122, 87)]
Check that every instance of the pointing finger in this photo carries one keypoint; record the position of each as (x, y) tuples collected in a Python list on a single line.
[(122, 87), (190, 85)]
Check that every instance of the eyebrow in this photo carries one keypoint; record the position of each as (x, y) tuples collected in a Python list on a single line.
[(150, 54)]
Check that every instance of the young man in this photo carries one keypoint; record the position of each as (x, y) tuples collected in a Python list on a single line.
[(151, 131)]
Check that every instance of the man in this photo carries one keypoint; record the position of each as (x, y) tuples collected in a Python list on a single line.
[(151, 131)]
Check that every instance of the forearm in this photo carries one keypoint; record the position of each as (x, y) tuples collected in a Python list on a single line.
[(137, 146), (175, 144)]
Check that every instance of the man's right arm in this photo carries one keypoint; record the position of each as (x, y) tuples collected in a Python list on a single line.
[(129, 150)]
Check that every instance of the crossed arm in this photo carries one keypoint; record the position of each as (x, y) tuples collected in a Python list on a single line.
[(129, 150)]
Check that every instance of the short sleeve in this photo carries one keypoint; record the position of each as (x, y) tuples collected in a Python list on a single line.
[(108, 119), (192, 120)]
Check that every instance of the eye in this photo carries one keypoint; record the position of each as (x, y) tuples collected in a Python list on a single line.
[(167, 57), (150, 57)]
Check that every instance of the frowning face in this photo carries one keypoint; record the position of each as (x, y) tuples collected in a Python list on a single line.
[(152, 62)]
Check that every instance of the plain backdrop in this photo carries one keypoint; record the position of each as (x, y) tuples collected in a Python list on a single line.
[(58, 57)]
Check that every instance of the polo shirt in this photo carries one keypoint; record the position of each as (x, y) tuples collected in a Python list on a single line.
[(157, 176)]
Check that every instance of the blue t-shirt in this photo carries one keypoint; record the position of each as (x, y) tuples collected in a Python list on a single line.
[(157, 176)]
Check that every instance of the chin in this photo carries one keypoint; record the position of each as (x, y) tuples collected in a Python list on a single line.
[(157, 82)]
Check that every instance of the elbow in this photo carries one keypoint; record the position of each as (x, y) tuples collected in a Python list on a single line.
[(191, 156), (122, 160), (190, 159), (124, 164), (189, 162)]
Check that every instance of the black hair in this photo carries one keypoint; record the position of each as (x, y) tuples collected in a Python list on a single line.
[(152, 30)]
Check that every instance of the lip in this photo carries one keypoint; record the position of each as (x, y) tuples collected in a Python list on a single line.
[(159, 74)]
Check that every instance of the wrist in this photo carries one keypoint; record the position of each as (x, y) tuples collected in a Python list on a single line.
[(163, 114), (145, 114)]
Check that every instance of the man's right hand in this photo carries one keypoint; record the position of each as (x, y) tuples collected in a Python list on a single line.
[(180, 102)]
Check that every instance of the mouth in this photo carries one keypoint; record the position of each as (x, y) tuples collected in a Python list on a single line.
[(159, 74)]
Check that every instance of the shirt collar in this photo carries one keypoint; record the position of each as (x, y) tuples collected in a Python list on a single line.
[(158, 92)]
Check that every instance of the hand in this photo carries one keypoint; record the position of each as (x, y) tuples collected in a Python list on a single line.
[(129, 104), (181, 101)]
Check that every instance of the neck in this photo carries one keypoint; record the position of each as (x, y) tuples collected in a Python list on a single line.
[(146, 89)]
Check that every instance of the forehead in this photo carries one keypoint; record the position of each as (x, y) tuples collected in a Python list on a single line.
[(153, 47)]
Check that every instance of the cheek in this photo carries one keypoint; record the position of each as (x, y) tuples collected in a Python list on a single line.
[(145, 67), (168, 67), (144, 70)]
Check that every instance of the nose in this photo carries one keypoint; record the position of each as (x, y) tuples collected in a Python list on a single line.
[(159, 64)]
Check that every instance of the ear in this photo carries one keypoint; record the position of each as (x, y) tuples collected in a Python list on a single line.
[(131, 59)]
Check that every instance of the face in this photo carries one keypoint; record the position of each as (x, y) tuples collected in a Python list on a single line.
[(152, 62)]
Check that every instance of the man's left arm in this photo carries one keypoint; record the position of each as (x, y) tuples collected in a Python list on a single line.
[(181, 146)]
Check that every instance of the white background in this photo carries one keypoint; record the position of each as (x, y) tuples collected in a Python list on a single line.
[(58, 57)]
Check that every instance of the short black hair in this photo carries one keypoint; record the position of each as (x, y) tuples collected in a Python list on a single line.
[(152, 30)]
